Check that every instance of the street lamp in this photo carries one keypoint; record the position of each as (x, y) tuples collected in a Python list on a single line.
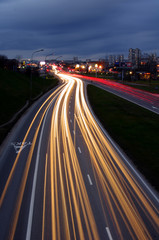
[(58, 57), (96, 66), (48, 55), (45, 61), (40, 50)]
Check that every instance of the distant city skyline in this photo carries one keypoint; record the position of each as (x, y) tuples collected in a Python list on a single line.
[(41, 56), (86, 28)]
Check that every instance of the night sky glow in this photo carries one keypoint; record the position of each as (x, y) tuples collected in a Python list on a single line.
[(85, 28)]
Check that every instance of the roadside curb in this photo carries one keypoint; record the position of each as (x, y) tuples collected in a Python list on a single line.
[(6, 127), (19, 116)]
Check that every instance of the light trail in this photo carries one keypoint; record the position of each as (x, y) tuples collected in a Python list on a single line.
[(18, 155), (148, 97), (116, 185), (44, 200), (123, 201), (27, 167), (65, 169)]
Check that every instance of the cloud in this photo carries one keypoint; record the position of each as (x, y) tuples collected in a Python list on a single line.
[(85, 27)]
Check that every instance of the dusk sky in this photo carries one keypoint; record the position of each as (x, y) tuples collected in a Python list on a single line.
[(85, 28)]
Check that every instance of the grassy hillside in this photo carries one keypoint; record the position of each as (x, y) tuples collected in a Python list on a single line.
[(15, 91), (135, 129)]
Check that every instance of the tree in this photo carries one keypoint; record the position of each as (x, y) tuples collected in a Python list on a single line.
[(3, 61)]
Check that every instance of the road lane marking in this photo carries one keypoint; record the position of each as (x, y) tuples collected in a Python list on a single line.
[(154, 107), (19, 146), (31, 209), (44, 199), (119, 151), (69, 112), (79, 150), (119, 95), (26, 170), (71, 120), (109, 234), (89, 179), (73, 132)]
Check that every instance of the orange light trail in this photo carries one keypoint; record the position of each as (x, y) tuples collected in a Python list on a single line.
[(71, 211), (115, 182)]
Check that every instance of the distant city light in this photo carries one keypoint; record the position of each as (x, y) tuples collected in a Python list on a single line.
[(42, 63), (54, 67)]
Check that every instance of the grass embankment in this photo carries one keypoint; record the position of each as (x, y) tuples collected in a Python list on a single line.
[(15, 91), (136, 130)]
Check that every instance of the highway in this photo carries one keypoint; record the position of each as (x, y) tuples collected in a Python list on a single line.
[(63, 177), (142, 98)]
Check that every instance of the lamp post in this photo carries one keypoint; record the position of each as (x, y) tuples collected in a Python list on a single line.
[(96, 66), (58, 57), (45, 61), (40, 50)]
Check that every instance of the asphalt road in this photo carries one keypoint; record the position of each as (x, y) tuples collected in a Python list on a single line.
[(144, 99), (63, 177)]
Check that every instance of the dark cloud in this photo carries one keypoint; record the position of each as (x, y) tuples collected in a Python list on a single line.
[(84, 28)]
